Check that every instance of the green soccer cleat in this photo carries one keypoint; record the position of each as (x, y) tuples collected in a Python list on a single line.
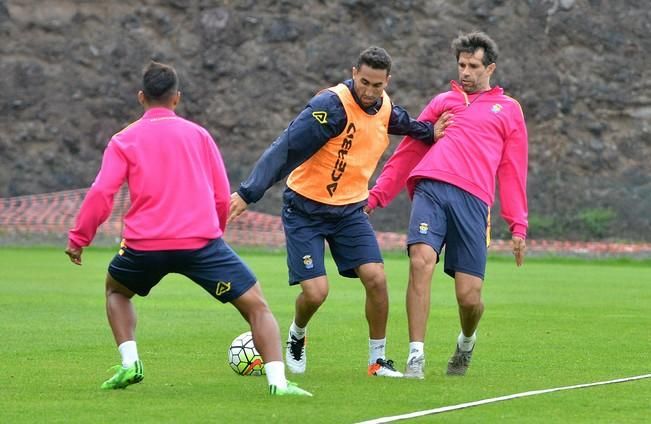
[(291, 390), (124, 376)]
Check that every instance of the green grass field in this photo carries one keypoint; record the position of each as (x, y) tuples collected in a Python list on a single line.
[(551, 323)]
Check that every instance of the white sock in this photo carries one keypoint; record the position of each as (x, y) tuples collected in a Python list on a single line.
[(275, 372), (376, 349), (129, 353), (416, 349), (466, 343), (296, 331)]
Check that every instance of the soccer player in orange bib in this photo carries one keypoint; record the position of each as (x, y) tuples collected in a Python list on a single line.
[(330, 150)]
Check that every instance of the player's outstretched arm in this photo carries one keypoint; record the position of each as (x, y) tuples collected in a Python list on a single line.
[(237, 206)]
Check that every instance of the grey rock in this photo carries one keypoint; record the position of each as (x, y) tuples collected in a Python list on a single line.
[(71, 71)]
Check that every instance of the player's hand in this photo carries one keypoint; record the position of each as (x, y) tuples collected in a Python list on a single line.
[(368, 211), (519, 246), (74, 253), (238, 205), (444, 121)]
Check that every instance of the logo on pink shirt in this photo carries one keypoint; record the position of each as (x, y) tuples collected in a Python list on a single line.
[(496, 108)]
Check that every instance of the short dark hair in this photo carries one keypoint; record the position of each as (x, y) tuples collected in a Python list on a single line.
[(376, 58), (159, 82), (471, 42)]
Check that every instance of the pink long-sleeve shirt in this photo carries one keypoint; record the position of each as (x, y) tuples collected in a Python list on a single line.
[(177, 181), (487, 141)]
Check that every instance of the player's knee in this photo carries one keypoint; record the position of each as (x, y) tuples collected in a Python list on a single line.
[(259, 305), (422, 259), (252, 306), (469, 300), (375, 281), (259, 311), (315, 295)]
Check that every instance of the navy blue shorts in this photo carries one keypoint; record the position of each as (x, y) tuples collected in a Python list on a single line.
[(348, 232), (443, 214), (215, 267)]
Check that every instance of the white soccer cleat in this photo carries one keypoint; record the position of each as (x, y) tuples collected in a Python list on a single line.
[(383, 368), (415, 367), (295, 357)]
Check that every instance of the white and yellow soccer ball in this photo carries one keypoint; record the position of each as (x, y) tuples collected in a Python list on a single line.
[(243, 357)]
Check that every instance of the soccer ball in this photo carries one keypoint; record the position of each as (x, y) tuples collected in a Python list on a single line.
[(243, 357)]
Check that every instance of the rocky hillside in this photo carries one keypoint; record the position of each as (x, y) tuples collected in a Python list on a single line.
[(70, 71)]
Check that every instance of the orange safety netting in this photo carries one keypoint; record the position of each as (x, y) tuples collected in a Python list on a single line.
[(44, 218)]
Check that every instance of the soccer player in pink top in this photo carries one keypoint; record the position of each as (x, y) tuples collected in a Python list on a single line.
[(452, 184), (180, 198)]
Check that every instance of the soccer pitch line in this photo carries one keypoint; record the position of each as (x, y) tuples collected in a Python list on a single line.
[(497, 399)]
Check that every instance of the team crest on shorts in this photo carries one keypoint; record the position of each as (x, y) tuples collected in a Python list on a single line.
[(307, 262), (423, 227), (222, 287)]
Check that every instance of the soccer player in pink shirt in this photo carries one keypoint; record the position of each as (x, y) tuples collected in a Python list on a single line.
[(452, 184), (180, 198)]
